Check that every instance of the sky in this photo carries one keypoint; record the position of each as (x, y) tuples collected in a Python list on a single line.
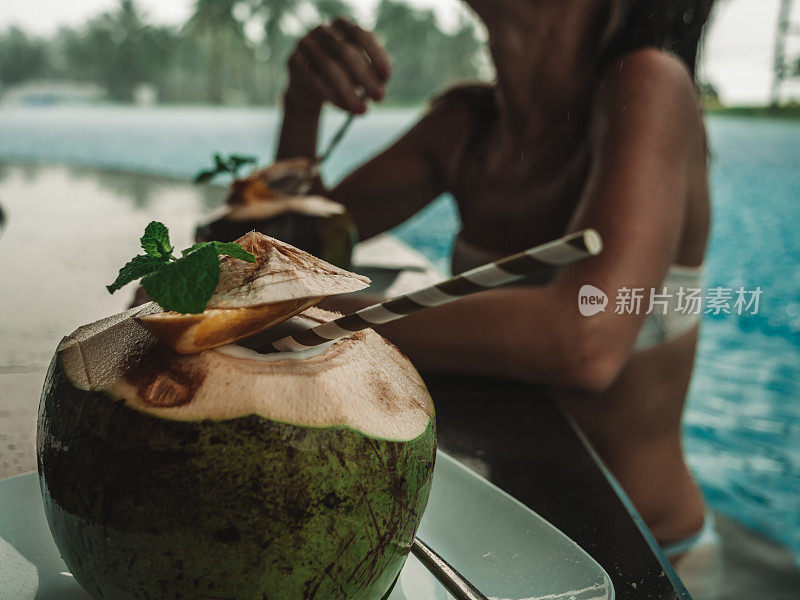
[(738, 56)]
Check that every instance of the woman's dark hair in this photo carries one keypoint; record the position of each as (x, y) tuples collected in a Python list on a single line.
[(672, 25)]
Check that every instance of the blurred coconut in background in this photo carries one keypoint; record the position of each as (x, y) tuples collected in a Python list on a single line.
[(274, 201)]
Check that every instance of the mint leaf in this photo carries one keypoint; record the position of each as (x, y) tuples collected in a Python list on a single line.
[(231, 165), (237, 161), (235, 250), (155, 240), (227, 248), (205, 176), (220, 163), (187, 284), (196, 247), (138, 267)]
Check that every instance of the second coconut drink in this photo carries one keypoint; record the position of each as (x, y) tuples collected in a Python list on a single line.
[(276, 201)]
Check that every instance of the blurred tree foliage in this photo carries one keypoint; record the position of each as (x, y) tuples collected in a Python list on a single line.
[(424, 58), (118, 50), (21, 57), (232, 51), (215, 37)]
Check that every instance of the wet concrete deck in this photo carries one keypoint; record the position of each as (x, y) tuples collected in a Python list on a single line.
[(66, 232)]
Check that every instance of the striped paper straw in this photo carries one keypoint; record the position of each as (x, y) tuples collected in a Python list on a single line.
[(455, 582), (568, 249)]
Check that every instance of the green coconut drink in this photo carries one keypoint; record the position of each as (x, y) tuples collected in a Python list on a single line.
[(229, 473), (275, 201)]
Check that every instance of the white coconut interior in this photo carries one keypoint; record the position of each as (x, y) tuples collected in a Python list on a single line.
[(281, 272), (315, 206), (361, 382), (238, 351)]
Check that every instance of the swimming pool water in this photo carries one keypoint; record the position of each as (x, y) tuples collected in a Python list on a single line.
[(742, 425)]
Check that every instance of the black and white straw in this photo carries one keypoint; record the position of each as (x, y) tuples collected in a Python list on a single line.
[(569, 249), (455, 582)]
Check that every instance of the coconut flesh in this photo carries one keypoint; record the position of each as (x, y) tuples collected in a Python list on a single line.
[(274, 201), (230, 473)]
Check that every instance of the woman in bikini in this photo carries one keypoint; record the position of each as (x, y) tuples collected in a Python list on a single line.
[(593, 121)]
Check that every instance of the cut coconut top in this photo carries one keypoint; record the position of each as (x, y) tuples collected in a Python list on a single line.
[(281, 272), (191, 334), (293, 176), (361, 382)]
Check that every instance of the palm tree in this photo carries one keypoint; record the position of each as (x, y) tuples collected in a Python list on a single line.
[(215, 28), (277, 42), (425, 58), (118, 50), (780, 70)]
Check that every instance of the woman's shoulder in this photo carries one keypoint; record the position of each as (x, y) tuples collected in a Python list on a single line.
[(649, 76), (651, 90)]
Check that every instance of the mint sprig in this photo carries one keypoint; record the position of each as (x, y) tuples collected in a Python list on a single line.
[(183, 284), (231, 165), (137, 267)]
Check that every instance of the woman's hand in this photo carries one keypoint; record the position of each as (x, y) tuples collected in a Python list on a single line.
[(333, 62)]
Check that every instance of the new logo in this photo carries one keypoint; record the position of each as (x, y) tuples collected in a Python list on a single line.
[(591, 300)]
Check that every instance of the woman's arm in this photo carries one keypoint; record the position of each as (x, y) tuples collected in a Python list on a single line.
[(649, 135), (330, 64), (400, 180), (403, 178), (406, 176)]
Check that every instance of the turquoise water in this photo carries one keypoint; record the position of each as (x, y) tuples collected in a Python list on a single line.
[(742, 427)]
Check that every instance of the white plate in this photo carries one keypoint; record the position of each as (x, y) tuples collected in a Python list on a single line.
[(505, 549)]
